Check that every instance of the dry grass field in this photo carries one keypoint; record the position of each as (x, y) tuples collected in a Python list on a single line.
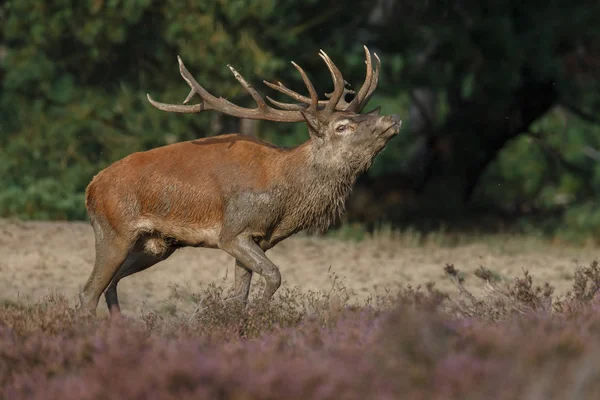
[(37, 258)]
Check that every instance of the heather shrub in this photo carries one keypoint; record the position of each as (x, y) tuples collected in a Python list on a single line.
[(502, 299), (52, 315), (517, 341), (126, 358), (522, 296), (586, 285), (216, 313)]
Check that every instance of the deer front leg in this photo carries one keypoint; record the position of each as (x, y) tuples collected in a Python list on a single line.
[(243, 276), (250, 255)]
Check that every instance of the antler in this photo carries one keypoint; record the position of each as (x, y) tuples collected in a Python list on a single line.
[(356, 105), (287, 112), (369, 85), (210, 102), (340, 106)]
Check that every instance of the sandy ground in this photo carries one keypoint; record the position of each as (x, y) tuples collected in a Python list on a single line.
[(37, 258)]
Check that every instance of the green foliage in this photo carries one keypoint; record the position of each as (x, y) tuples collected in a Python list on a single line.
[(550, 169), (75, 75)]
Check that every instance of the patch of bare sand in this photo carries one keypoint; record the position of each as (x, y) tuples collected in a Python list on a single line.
[(37, 258)]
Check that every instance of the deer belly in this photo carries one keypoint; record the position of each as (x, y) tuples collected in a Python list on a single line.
[(163, 233)]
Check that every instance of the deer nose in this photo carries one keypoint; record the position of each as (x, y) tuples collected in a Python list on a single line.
[(393, 119)]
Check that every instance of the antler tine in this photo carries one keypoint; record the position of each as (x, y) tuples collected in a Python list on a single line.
[(207, 100), (182, 108), (342, 104), (338, 82), (176, 107), (313, 102), (375, 81), (281, 88), (189, 96), (257, 97), (314, 97), (355, 104), (205, 96), (288, 106)]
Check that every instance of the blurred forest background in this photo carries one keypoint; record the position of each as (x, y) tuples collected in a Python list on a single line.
[(500, 99)]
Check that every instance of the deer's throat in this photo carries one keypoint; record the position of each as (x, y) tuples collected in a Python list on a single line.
[(318, 192)]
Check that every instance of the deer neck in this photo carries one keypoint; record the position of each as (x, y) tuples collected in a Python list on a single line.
[(318, 185)]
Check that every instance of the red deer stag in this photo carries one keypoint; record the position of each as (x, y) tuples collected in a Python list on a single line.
[(233, 192)]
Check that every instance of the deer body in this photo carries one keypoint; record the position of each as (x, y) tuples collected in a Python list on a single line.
[(231, 192), (177, 192)]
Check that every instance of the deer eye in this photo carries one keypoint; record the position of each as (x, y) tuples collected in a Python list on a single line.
[(341, 128)]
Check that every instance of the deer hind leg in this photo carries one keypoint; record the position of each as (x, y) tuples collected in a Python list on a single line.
[(147, 253), (250, 255), (111, 252)]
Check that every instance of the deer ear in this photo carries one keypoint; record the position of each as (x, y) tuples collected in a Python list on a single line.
[(313, 123), (375, 111)]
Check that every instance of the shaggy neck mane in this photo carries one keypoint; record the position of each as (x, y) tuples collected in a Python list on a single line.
[(318, 190)]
